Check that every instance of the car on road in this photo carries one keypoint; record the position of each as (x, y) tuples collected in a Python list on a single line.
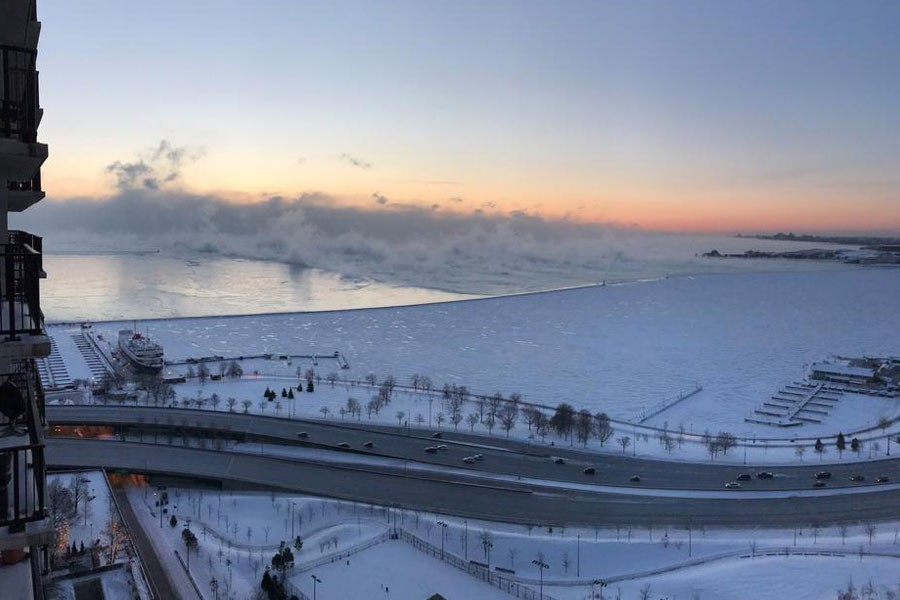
[(431, 450), (635, 479), (765, 475), (743, 477), (589, 471), (437, 435), (369, 445), (857, 478), (469, 460), (559, 460), (823, 475), (819, 483), (302, 435), (343, 445), (733, 485), (442, 447), (478, 456), (882, 479)]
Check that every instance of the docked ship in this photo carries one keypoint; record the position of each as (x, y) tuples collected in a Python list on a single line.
[(141, 351)]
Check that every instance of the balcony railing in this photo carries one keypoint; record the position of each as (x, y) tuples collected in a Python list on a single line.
[(31, 185), (22, 477), (21, 269), (18, 94), (25, 377)]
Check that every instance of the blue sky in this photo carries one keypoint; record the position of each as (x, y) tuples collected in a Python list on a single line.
[(672, 115)]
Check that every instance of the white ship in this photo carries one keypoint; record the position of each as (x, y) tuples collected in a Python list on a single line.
[(143, 352)]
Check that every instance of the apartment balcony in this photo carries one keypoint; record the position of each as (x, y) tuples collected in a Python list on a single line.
[(23, 520), (23, 194), (22, 332), (20, 154)]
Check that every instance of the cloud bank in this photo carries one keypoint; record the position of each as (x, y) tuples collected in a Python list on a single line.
[(390, 242)]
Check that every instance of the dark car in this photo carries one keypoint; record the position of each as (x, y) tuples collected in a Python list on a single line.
[(882, 479), (369, 445), (765, 475), (431, 450), (559, 461), (437, 435), (857, 478), (344, 445), (743, 477), (635, 479), (302, 435), (819, 483), (823, 475), (589, 471)]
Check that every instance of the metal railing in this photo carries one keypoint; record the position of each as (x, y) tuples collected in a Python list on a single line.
[(19, 100), (20, 273), (21, 485), (495, 579), (24, 376)]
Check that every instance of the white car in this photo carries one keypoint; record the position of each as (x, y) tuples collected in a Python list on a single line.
[(733, 485), (469, 460)]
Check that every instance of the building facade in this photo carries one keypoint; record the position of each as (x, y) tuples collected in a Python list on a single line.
[(25, 530)]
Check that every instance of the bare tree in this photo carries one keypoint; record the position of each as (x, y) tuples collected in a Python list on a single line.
[(508, 416), (513, 553), (566, 561), (644, 592), (400, 414), (472, 420), (870, 531), (202, 373), (602, 428), (624, 441), (325, 411), (842, 528)]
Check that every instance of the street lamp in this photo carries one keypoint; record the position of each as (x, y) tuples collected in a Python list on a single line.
[(443, 530), (187, 543), (541, 565), (466, 542), (315, 581), (601, 584)]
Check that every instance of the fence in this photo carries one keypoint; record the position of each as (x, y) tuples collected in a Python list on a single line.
[(500, 581)]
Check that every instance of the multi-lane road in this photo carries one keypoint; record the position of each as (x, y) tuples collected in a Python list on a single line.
[(516, 481)]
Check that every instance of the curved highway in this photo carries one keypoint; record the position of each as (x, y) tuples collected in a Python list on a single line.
[(466, 489)]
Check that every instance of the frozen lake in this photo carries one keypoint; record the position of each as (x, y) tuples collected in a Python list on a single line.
[(619, 349)]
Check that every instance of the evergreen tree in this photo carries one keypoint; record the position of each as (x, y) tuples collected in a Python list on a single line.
[(291, 393), (173, 521), (309, 386), (841, 443)]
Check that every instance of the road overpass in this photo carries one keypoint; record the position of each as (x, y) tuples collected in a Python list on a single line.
[(548, 493)]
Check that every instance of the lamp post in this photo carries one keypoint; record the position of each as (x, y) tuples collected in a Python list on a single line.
[(601, 584), (293, 510), (541, 565), (487, 546), (443, 530), (187, 544), (466, 540), (315, 581)]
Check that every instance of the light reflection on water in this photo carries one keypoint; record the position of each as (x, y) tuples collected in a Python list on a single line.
[(133, 286)]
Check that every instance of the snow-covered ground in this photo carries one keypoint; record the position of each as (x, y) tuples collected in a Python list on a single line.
[(620, 349), (346, 547)]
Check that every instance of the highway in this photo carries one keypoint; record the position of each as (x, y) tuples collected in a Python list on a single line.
[(464, 491)]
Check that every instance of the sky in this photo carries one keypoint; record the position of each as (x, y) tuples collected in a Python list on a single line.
[(676, 116)]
